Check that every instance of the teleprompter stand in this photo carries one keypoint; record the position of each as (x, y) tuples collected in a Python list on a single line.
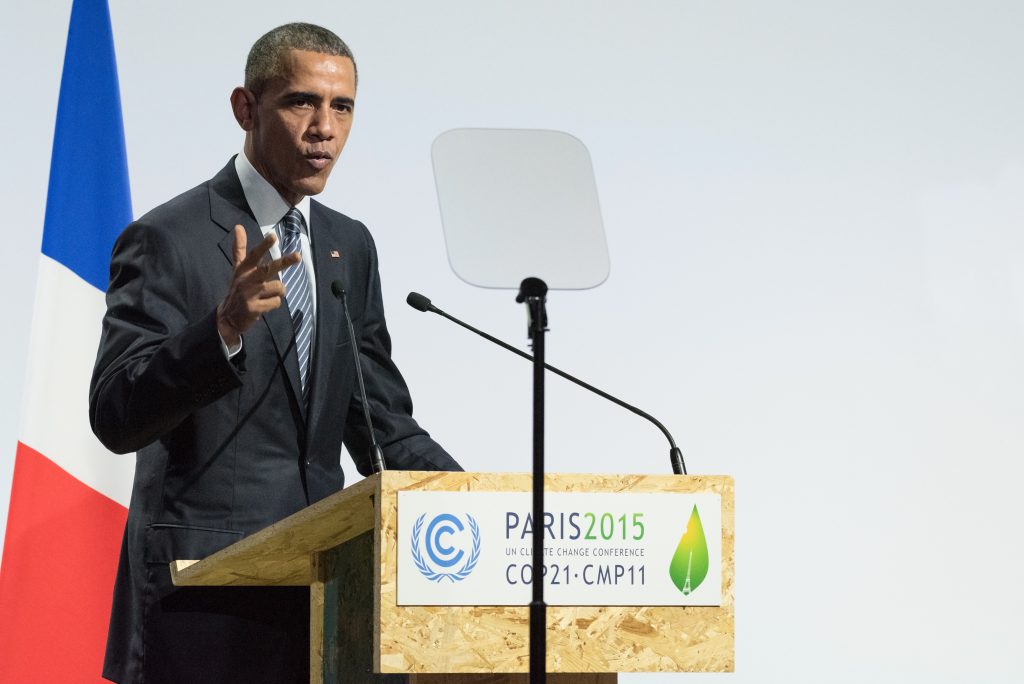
[(533, 292)]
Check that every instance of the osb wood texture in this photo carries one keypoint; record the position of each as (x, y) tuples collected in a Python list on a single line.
[(347, 574), (316, 622), (467, 639), (281, 554), (575, 678)]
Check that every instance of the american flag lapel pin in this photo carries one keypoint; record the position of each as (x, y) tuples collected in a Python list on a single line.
[(335, 254)]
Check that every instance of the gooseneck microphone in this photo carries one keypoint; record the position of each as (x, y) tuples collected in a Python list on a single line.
[(376, 455), (421, 303)]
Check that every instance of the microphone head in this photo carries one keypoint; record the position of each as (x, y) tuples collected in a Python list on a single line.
[(418, 302), (337, 289)]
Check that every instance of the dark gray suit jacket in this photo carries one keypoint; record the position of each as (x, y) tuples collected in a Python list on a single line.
[(224, 448)]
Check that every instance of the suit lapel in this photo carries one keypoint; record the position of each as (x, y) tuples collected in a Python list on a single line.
[(228, 208)]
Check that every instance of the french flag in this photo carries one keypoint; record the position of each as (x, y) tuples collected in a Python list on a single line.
[(69, 494)]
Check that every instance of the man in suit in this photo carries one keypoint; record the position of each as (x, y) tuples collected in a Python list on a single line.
[(229, 371)]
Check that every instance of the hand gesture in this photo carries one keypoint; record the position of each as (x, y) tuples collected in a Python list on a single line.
[(255, 287)]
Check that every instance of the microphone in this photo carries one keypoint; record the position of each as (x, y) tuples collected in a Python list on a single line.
[(421, 303), (376, 455)]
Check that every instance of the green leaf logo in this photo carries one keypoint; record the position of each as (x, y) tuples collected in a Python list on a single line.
[(689, 565)]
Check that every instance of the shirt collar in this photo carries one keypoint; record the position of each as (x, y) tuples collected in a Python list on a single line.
[(266, 203)]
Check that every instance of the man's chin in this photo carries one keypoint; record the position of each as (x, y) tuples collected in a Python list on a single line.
[(313, 185)]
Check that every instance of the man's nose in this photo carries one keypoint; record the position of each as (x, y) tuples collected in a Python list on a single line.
[(322, 125)]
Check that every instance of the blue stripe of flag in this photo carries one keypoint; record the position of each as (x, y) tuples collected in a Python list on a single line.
[(89, 200)]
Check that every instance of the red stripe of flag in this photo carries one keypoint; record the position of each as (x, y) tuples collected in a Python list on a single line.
[(62, 542)]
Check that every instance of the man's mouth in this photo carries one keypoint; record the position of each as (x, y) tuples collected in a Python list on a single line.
[(318, 160)]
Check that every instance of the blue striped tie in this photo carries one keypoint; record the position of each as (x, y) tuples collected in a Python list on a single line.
[(298, 295)]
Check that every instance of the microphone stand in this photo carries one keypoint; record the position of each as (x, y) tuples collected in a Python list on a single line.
[(376, 454), (533, 291), (421, 303)]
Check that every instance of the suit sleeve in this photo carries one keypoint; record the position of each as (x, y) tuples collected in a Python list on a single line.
[(158, 360), (405, 444)]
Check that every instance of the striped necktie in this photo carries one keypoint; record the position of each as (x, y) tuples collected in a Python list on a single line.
[(298, 295)]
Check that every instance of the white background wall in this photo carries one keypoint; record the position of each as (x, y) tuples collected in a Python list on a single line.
[(814, 212)]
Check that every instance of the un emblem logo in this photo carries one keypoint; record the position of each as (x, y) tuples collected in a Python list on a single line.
[(438, 545)]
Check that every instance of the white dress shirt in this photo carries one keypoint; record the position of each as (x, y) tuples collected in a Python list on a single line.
[(269, 208)]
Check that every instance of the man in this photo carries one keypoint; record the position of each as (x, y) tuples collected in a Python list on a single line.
[(228, 370)]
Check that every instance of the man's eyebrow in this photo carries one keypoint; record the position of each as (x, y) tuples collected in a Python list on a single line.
[(343, 101), (301, 95)]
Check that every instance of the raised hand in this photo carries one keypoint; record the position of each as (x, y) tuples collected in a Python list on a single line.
[(255, 287)]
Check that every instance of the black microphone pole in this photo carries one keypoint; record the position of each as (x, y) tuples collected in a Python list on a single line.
[(421, 303), (533, 292), (376, 454)]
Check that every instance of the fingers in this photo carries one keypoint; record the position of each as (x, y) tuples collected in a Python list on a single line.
[(268, 298), (249, 297), (255, 288), (253, 258), (269, 269), (256, 259), (271, 290)]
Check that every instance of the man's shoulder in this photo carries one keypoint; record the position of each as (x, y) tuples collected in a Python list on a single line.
[(333, 217), (342, 226), (186, 207), (192, 206)]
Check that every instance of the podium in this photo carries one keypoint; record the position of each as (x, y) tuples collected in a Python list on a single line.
[(345, 549)]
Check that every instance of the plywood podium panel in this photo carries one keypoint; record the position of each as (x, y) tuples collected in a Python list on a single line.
[(345, 548)]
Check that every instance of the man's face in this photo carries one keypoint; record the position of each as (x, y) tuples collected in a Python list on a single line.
[(299, 124)]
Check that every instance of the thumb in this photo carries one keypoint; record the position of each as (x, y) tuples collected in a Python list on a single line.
[(240, 244)]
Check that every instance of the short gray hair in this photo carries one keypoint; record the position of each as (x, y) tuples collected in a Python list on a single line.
[(267, 54)]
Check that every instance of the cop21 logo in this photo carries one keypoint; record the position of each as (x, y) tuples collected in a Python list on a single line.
[(691, 561), (439, 549)]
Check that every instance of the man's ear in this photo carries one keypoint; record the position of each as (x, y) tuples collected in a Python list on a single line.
[(243, 105)]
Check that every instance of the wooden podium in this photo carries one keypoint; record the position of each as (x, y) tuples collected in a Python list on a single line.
[(344, 549)]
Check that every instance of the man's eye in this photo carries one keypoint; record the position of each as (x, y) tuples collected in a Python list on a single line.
[(302, 103), (343, 108)]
